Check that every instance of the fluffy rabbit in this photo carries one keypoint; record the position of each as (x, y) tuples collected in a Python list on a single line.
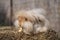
[(31, 21)]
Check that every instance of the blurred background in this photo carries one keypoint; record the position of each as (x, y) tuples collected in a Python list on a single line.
[(9, 7)]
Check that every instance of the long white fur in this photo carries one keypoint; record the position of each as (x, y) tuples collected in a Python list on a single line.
[(40, 13), (34, 14), (16, 23), (27, 27)]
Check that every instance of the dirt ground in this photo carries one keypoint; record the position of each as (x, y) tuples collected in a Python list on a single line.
[(8, 33)]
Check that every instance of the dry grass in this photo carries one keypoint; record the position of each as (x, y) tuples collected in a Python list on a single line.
[(8, 33)]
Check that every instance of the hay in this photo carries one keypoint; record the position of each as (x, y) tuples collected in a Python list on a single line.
[(11, 34)]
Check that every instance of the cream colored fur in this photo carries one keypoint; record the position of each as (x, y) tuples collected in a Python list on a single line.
[(32, 24)]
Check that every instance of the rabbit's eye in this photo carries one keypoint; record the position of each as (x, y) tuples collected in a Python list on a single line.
[(39, 20), (26, 19)]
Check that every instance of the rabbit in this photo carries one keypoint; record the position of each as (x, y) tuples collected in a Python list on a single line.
[(31, 21)]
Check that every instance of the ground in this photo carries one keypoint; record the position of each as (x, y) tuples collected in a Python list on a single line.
[(9, 33)]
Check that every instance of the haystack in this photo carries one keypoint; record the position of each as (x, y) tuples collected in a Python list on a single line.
[(8, 33)]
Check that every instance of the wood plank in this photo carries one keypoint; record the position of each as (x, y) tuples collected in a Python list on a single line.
[(5, 12)]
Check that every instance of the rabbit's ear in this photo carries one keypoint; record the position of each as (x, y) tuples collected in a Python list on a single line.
[(45, 24), (44, 20)]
